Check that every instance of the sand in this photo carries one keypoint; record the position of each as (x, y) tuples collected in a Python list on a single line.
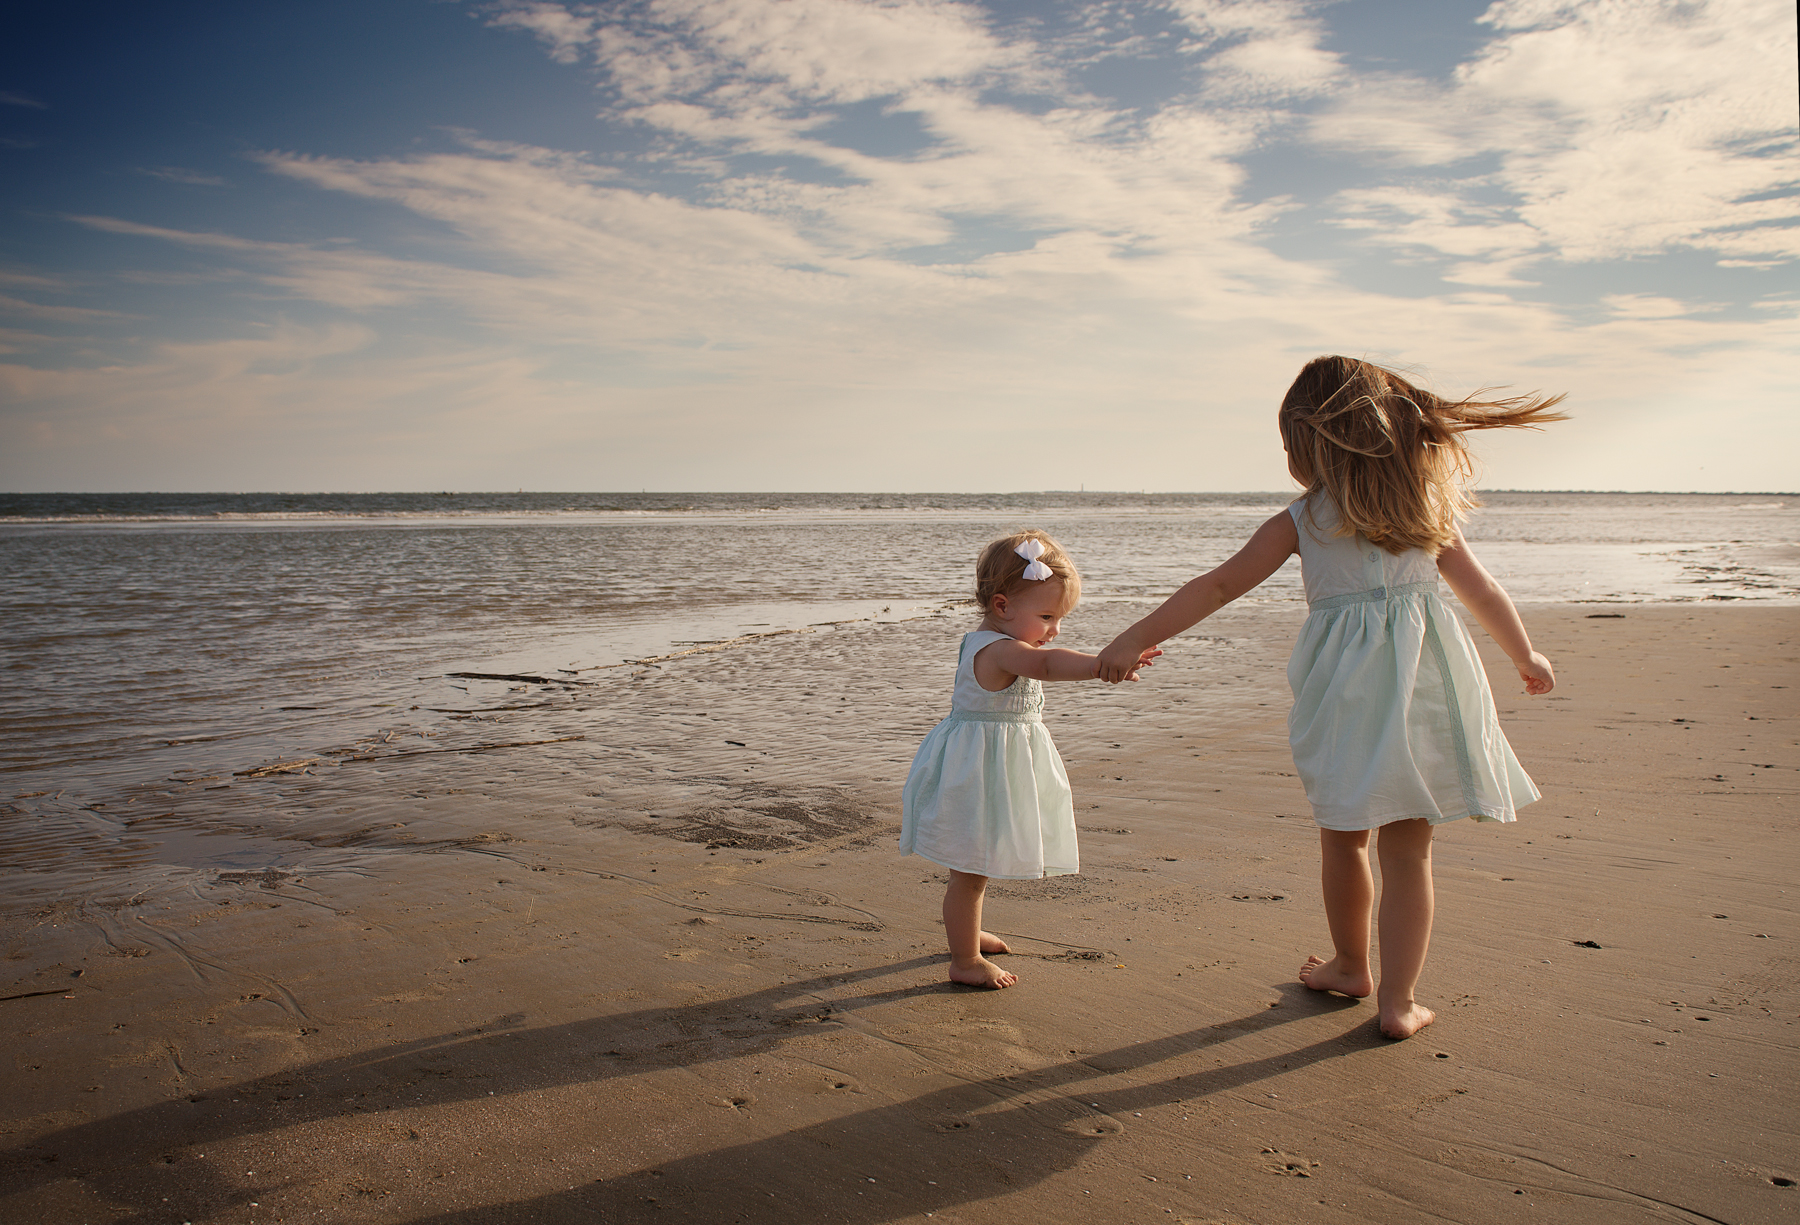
[(504, 991)]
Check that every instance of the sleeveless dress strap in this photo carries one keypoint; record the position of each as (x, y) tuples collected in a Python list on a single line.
[(974, 641)]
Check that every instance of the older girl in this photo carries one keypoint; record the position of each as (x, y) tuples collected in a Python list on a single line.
[(1393, 728)]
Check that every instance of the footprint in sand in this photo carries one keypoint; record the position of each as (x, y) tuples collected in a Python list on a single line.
[(840, 1084), (1097, 1125), (1287, 1164)]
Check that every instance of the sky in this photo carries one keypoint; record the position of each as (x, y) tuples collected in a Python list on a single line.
[(884, 245)]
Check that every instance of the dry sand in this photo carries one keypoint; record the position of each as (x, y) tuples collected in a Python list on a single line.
[(513, 994)]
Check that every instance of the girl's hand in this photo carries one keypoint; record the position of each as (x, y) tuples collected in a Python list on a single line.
[(1144, 660), (1121, 660), (1537, 674), (1127, 671)]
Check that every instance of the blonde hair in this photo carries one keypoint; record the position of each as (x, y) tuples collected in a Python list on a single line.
[(1390, 455), (1001, 571)]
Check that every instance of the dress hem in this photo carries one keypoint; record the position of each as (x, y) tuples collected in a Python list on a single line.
[(1047, 872), (1504, 816)]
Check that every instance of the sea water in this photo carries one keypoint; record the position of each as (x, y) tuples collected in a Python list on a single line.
[(150, 634)]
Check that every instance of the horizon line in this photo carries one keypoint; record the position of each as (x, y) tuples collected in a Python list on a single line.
[(439, 493)]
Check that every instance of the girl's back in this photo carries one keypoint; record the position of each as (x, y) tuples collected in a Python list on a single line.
[(1333, 565)]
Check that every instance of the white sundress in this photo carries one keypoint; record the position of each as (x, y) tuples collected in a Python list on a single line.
[(987, 793), (1392, 715)]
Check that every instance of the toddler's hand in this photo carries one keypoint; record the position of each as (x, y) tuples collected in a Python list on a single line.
[(1537, 674), (1145, 659)]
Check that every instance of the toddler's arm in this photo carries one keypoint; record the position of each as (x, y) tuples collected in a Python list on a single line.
[(1482, 595), (1054, 663), (1260, 557)]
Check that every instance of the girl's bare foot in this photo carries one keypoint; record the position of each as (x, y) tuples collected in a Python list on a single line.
[(983, 973), (1327, 976), (1406, 1021), (990, 943)]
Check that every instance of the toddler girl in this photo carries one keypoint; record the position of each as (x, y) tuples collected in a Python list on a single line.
[(1393, 727), (987, 795)]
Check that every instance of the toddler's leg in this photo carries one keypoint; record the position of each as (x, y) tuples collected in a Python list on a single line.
[(962, 924), (1407, 906), (1349, 899)]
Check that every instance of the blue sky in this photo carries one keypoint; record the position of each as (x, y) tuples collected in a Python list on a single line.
[(911, 245)]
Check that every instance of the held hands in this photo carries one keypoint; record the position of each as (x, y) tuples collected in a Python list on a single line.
[(1145, 658), (1121, 661), (1537, 674)]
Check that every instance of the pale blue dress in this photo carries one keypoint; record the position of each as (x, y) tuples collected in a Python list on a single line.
[(987, 793), (1392, 715)]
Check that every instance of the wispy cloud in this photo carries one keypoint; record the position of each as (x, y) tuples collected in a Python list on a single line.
[(116, 225), (61, 314), (176, 174), (9, 98)]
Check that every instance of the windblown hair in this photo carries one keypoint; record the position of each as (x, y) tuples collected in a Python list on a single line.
[(1000, 571), (1391, 455)]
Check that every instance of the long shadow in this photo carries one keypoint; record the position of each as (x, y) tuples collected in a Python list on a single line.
[(499, 1059), (136, 1157), (953, 1147)]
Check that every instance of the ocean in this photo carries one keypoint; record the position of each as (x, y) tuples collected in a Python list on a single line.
[(158, 638)]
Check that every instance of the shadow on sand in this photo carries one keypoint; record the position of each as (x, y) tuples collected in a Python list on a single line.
[(952, 1146)]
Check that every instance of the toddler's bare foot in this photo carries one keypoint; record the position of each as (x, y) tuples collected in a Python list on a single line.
[(1327, 976), (983, 973), (990, 943), (1405, 1021)]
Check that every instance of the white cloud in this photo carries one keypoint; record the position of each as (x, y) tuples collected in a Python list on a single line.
[(566, 32), (1261, 50), (1620, 127), (1436, 219), (1649, 306), (752, 52)]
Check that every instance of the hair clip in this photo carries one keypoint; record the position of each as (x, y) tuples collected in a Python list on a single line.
[(1031, 550)]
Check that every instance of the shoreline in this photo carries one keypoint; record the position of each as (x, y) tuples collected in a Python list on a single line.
[(489, 991)]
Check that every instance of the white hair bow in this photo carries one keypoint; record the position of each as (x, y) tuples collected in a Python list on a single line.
[(1031, 550)]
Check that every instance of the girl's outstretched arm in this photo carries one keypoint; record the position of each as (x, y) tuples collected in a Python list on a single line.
[(1273, 543), (1482, 595)]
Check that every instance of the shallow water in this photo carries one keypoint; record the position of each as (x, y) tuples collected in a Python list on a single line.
[(157, 641)]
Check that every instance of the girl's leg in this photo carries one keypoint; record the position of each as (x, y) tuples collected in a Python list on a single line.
[(1349, 899), (962, 924), (1407, 906)]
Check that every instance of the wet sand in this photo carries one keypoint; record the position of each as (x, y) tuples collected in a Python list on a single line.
[(675, 971)]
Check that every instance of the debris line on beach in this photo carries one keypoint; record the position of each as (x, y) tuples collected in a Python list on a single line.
[(277, 767), (513, 676), (471, 748)]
